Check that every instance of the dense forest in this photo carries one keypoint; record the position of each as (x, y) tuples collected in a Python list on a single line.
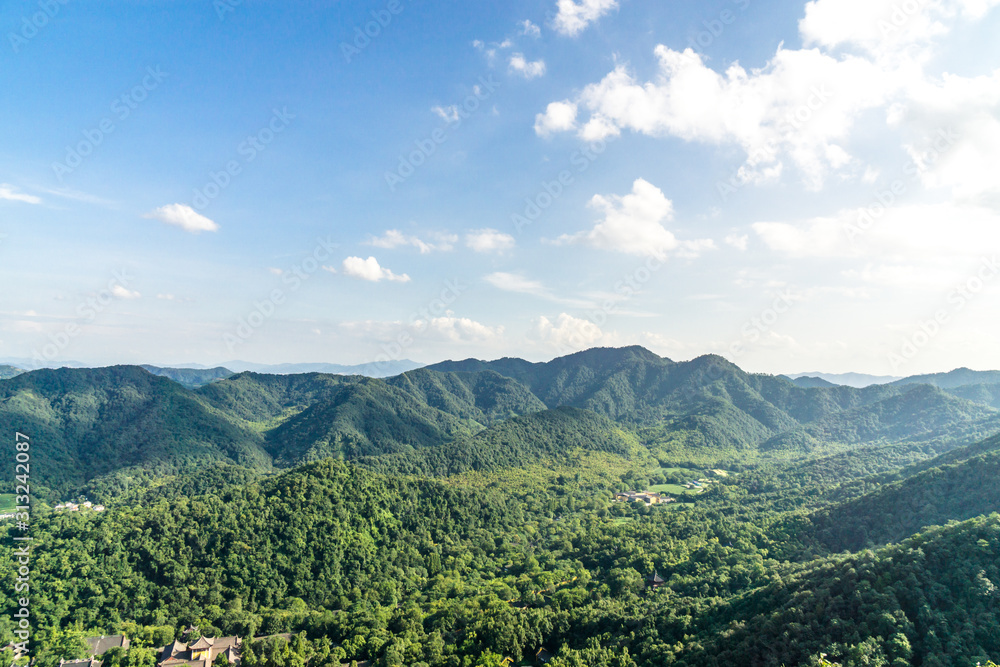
[(465, 515)]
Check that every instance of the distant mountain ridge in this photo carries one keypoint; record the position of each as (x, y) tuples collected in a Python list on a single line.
[(375, 369), (857, 380), (100, 421)]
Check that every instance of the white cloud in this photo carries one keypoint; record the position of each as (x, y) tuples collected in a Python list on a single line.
[(737, 240), (527, 69), (369, 269), (953, 126), (462, 329), (513, 282), (122, 292), (803, 106), (568, 332), (573, 17), (447, 328), (694, 249), (183, 216), (909, 233), (488, 240), (633, 224), (887, 29), (448, 114), (530, 29), (394, 238), (9, 193), (558, 117)]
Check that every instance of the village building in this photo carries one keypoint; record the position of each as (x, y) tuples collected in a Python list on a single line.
[(648, 497), (200, 653), (98, 646), (86, 662), (655, 581)]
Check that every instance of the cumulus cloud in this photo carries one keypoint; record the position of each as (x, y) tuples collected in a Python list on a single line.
[(462, 329), (568, 332), (803, 105), (394, 238), (9, 192), (634, 224), (370, 270), (527, 69), (573, 17), (558, 117), (488, 240), (183, 216)]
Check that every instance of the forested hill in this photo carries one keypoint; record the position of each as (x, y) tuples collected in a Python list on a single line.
[(191, 377), (93, 422), (98, 422), (956, 486), (463, 517)]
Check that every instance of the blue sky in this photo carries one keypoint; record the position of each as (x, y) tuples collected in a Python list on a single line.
[(796, 186)]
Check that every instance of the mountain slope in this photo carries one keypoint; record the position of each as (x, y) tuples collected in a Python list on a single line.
[(484, 396), (537, 437), (91, 422), (929, 601), (942, 491), (952, 379), (7, 372), (191, 378)]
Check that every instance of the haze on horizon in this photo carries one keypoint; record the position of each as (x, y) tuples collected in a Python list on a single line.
[(797, 187)]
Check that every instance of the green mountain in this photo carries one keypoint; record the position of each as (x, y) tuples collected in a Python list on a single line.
[(711, 404), (85, 423), (956, 486), (986, 394), (809, 382), (191, 378), (7, 372), (931, 600), (953, 379), (99, 421), (541, 436)]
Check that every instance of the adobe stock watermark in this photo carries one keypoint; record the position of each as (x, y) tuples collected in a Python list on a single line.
[(292, 279), (247, 150), (884, 199), (716, 26), (420, 321), (364, 34), (958, 298), (122, 107), (33, 24), (550, 191), (900, 15), (87, 312), (453, 116)]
